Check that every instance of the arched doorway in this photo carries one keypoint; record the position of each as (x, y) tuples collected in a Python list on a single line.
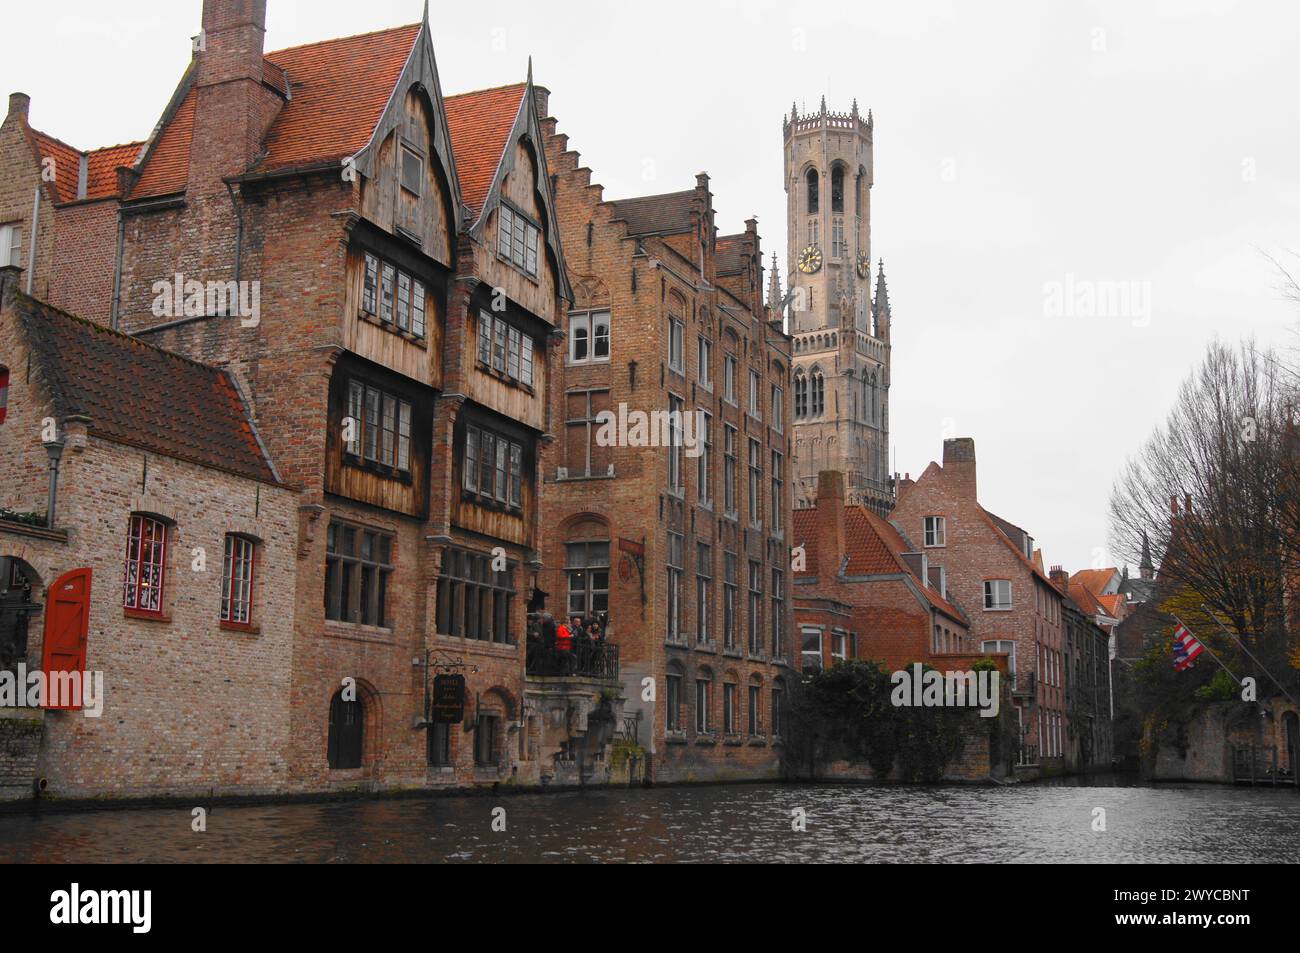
[(347, 731), (20, 589)]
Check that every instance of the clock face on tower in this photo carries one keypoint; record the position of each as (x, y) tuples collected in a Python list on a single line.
[(810, 260), (864, 267)]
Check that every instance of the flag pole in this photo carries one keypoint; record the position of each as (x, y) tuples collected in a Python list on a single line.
[(1210, 650), (1279, 685)]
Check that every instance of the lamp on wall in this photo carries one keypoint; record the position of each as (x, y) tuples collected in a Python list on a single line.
[(54, 450)]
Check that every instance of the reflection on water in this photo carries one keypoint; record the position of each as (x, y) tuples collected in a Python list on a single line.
[(1036, 823)]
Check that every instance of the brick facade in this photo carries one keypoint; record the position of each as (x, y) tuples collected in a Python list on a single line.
[(979, 548), (651, 264)]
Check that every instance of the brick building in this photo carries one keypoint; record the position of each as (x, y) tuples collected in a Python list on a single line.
[(866, 592), (993, 569), (1089, 638), (687, 552), (193, 631), (68, 197), (377, 269)]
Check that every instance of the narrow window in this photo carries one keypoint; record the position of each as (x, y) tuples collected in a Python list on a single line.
[(237, 581), (146, 554), (412, 171)]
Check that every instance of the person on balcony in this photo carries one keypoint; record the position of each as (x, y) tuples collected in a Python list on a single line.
[(564, 649)]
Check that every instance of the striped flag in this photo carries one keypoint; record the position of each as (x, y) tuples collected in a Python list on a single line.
[(1186, 648)]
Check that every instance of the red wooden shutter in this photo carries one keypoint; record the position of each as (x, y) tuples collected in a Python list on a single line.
[(67, 623)]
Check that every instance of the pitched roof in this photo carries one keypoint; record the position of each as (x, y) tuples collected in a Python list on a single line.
[(656, 214), (338, 91), (480, 123), (335, 94), (729, 256), (67, 165), (141, 395), (167, 166), (997, 524), (1096, 580), (874, 548), (101, 166)]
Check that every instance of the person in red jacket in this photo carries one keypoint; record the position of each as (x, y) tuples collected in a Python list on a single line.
[(564, 647)]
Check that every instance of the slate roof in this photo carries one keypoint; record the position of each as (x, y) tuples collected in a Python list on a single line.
[(141, 395), (656, 214)]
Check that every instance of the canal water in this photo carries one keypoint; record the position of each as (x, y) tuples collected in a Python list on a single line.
[(740, 823)]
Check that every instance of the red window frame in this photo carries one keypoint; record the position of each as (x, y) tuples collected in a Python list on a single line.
[(140, 592), (244, 550)]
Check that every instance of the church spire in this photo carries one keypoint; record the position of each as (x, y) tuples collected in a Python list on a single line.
[(1146, 568), (774, 290)]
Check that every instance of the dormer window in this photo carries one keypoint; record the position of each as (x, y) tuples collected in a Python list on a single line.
[(517, 239), (412, 171)]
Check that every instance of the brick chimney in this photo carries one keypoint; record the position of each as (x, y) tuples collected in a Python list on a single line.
[(830, 522), (959, 465), (19, 103), (1060, 579), (233, 109)]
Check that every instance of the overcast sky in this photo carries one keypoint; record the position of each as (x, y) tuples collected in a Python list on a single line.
[(1150, 145)]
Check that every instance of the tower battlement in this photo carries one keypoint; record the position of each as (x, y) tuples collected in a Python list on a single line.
[(852, 120)]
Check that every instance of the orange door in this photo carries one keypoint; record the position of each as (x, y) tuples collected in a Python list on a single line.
[(67, 623)]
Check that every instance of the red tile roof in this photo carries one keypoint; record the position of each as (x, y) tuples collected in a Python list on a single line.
[(67, 165), (101, 166), (339, 89), (874, 548), (1095, 580), (140, 395), (336, 95), (167, 168), (480, 122)]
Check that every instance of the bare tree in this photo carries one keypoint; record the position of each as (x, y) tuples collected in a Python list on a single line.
[(1214, 489)]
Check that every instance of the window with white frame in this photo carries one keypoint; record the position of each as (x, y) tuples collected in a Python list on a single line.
[(677, 345), (778, 489), (11, 245), (755, 483), (935, 528), (381, 426), (730, 475), (778, 408), (755, 607), (237, 580), (517, 239), (676, 542), (703, 697), (704, 462), (810, 650), (755, 398), (730, 585), (997, 594), (588, 337), (587, 568), (729, 369), (676, 447), (703, 592), (839, 646), (704, 362)]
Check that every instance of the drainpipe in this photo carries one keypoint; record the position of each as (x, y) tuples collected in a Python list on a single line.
[(117, 272), (239, 229), (31, 245)]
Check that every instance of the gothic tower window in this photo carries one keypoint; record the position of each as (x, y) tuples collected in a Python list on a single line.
[(837, 189), (800, 395), (813, 198), (818, 402)]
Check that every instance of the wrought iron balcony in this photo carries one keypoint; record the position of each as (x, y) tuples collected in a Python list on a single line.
[(587, 659)]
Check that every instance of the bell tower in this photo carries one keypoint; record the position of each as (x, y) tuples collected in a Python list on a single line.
[(841, 333)]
